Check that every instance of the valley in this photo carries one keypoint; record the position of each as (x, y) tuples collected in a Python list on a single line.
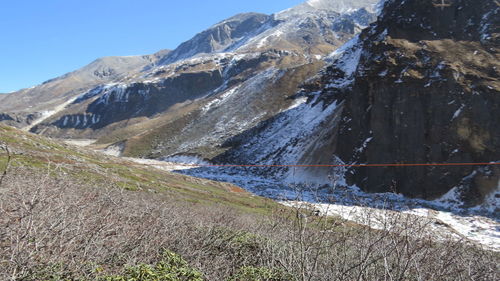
[(446, 217), (364, 127)]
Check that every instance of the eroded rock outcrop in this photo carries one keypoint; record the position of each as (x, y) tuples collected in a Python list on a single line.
[(425, 90)]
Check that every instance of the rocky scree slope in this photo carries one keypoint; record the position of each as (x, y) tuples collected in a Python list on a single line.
[(419, 86)]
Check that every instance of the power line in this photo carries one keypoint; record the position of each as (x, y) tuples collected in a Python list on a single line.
[(317, 165), (170, 164)]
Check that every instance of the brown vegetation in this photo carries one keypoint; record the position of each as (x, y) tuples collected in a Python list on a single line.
[(82, 222), (53, 228)]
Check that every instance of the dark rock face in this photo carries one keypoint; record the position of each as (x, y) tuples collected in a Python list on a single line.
[(430, 20), (136, 100), (18, 119), (5, 117), (426, 90)]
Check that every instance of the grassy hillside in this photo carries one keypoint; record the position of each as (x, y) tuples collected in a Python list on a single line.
[(39, 154), (72, 214)]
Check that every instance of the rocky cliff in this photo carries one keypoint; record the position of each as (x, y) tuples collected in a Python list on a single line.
[(414, 87), (425, 90)]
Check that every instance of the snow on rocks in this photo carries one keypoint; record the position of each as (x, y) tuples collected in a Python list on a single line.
[(114, 150), (47, 114), (346, 59), (220, 99), (479, 230), (458, 112)]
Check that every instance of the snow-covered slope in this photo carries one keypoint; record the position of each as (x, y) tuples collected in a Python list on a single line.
[(400, 92), (313, 23), (308, 30), (221, 36), (342, 6)]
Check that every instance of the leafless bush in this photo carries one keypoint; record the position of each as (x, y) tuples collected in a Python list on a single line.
[(69, 229), (8, 158), (50, 222), (398, 246)]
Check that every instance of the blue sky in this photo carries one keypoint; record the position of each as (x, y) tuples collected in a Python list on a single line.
[(43, 39)]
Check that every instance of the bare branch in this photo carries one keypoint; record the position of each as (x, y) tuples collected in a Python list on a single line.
[(5, 147)]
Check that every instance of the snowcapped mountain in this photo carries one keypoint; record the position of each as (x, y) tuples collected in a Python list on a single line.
[(291, 29), (416, 87), (253, 57), (221, 37), (315, 84)]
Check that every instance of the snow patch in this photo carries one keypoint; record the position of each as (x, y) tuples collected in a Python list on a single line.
[(346, 59), (186, 159), (161, 165), (296, 103), (440, 224), (364, 145), (80, 142), (114, 150), (458, 112), (47, 114), (220, 99)]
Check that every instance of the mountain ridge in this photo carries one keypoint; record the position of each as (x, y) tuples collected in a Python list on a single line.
[(289, 44), (247, 27), (391, 96), (369, 82), (227, 105)]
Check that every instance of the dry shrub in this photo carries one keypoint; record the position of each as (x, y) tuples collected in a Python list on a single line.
[(54, 228)]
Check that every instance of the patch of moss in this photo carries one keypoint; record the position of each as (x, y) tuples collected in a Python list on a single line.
[(171, 267), (250, 273), (27, 161)]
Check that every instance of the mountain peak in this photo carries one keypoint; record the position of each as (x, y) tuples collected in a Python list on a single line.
[(336, 6), (342, 6), (219, 36), (241, 17)]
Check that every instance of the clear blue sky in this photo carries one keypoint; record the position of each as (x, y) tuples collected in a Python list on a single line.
[(43, 39)]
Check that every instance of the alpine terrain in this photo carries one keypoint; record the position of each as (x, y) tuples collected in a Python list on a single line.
[(413, 87), (153, 105), (334, 140)]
